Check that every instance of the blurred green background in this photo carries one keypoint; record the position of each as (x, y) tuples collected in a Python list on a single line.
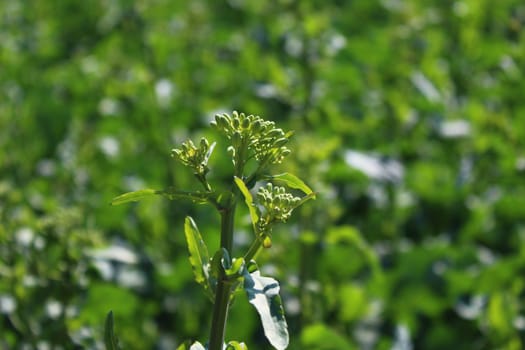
[(409, 120)]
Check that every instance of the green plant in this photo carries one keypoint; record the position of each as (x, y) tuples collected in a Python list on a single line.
[(255, 145)]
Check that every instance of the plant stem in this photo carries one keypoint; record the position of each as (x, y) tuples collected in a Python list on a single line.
[(227, 220), (220, 314), (253, 250), (222, 294)]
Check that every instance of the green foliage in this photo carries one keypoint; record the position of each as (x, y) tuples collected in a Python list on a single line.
[(199, 258), (248, 199), (133, 196), (408, 125)]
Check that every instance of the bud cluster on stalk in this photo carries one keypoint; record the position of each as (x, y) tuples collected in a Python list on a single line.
[(277, 205), (194, 157), (261, 138)]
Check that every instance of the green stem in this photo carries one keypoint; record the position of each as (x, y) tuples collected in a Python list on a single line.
[(254, 249), (203, 181), (224, 287), (222, 294), (220, 314), (227, 219)]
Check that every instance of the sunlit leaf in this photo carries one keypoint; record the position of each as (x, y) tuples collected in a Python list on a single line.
[(199, 258), (249, 200), (170, 193), (134, 196), (291, 181), (263, 294)]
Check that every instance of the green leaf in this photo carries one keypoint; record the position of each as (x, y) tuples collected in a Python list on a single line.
[(134, 196), (291, 181), (233, 345), (199, 258), (249, 201), (109, 337), (263, 294), (170, 193)]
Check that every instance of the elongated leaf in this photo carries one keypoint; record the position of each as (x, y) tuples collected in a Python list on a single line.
[(249, 201), (263, 294), (199, 258), (291, 181), (134, 196), (170, 193), (109, 337)]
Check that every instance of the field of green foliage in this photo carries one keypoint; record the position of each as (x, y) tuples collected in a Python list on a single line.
[(409, 120)]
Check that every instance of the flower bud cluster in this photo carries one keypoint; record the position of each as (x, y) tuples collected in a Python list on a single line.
[(194, 157), (277, 204), (265, 142)]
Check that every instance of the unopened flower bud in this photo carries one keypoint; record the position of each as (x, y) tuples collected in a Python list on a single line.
[(285, 151), (275, 133), (236, 123), (236, 139), (222, 121), (280, 142), (245, 123), (256, 126), (205, 145)]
